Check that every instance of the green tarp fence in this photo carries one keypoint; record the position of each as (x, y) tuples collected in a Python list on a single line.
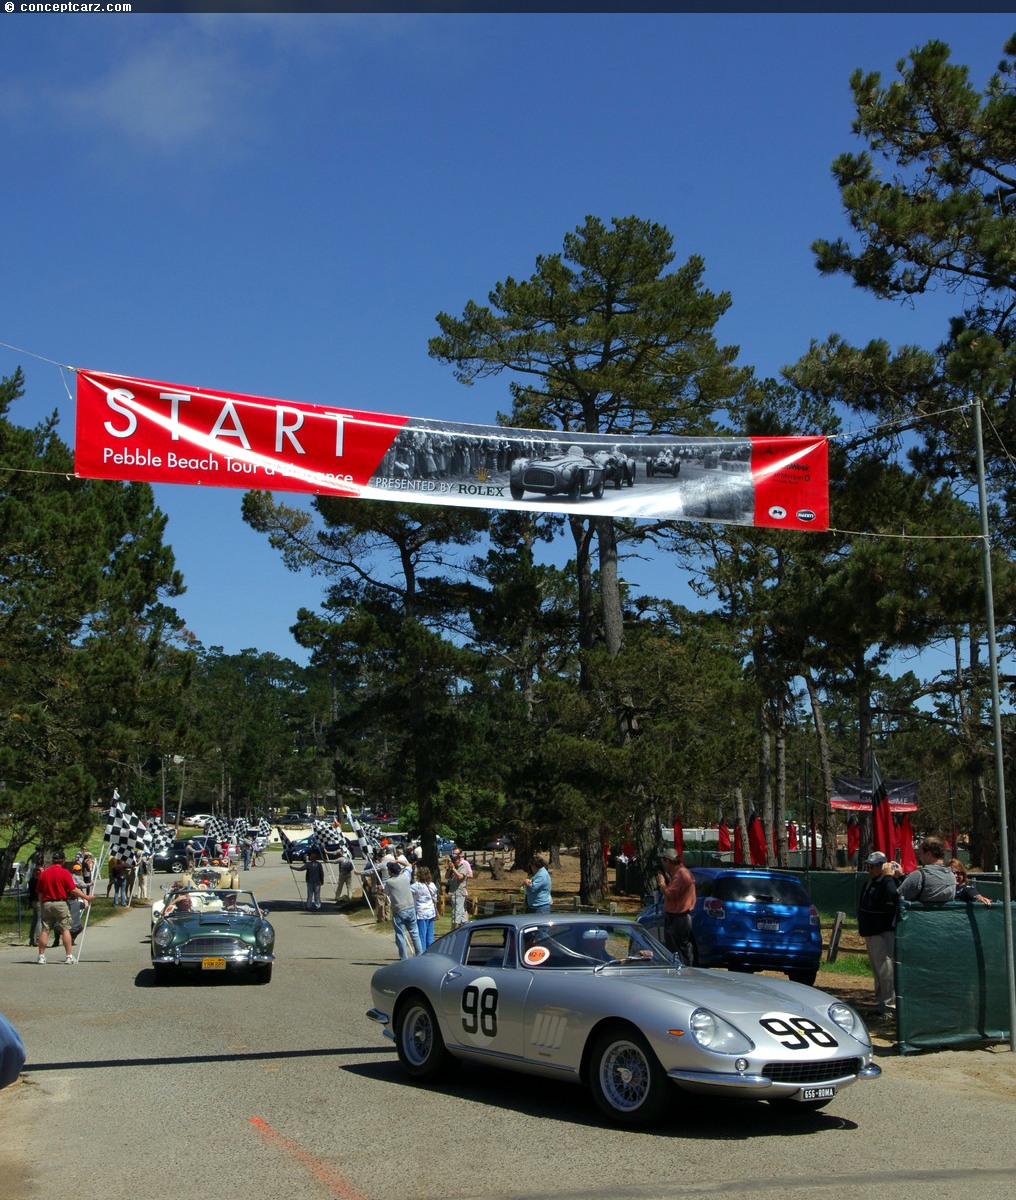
[(951, 980)]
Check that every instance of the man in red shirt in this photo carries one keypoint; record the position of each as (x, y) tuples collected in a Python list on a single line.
[(678, 901), (54, 888)]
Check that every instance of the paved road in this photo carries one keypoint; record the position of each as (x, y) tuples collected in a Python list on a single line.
[(223, 1089)]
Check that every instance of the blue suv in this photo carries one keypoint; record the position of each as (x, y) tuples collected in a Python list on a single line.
[(750, 919)]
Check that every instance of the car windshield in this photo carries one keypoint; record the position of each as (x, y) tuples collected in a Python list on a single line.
[(224, 901), (593, 943), (771, 890)]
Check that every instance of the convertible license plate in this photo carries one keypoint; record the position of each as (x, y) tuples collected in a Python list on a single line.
[(818, 1093), (767, 925), (213, 964)]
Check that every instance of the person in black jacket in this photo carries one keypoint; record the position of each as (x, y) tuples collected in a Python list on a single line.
[(876, 923)]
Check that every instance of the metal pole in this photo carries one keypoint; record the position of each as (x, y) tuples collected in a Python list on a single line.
[(996, 723)]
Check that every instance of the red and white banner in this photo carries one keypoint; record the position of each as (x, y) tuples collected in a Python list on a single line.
[(167, 433)]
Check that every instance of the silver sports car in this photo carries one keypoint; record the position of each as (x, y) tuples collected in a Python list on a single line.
[(600, 1001)]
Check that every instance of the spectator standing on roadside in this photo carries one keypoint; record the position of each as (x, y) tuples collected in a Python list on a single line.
[(933, 882), (55, 887), (679, 896), (876, 923), (344, 888), (456, 880), (537, 887), (144, 872), (315, 878), (246, 850), (118, 871), (33, 899), (88, 870), (400, 896), (425, 899)]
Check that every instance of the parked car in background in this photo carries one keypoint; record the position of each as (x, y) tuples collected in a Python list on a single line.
[(295, 818), (750, 919), (176, 859), (297, 851), (196, 820)]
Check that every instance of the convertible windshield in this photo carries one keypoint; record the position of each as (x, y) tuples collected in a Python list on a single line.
[(210, 900), (591, 944)]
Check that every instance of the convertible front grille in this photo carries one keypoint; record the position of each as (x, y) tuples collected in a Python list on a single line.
[(536, 477), (216, 947), (811, 1072)]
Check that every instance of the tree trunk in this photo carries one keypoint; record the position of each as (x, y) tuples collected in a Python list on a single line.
[(593, 870), (610, 588), (742, 822), (780, 788), (825, 766), (764, 803)]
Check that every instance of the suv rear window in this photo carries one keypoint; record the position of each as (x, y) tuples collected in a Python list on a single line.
[(766, 891)]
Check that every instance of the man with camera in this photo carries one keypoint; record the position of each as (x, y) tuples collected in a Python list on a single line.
[(876, 923)]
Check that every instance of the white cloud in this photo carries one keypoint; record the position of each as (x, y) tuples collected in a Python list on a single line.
[(167, 96)]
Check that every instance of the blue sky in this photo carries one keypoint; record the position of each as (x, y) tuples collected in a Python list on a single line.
[(280, 204)]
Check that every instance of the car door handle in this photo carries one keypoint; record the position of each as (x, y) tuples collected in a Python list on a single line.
[(453, 975)]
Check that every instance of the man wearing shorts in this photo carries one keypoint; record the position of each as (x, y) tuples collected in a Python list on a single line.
[(54, 887)]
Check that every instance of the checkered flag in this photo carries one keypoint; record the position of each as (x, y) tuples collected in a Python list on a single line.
[(264, 828), (217, 828), (125, 831), (359, 847), (239, 829), (162, 836), (330, 840)]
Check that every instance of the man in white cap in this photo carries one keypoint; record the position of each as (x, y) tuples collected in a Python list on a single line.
[(876, 923)]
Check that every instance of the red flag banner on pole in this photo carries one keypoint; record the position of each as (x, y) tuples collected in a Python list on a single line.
[(853, 837), (883, 836), (723, 837), (908, 857), (128, 428), (792, 836), (679, 836), (738, 845), (757, 841)]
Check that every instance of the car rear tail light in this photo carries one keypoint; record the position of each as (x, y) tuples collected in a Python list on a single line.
[(714, 908), (813, 916)]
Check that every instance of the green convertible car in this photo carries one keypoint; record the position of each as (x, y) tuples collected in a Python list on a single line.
[(212, 930)]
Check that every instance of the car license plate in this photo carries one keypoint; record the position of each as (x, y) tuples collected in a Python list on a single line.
[(818, 1093), (764, 925), (213, 964)]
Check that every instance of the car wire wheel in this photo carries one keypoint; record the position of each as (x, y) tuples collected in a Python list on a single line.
[(419, 1043), (627, 1081)]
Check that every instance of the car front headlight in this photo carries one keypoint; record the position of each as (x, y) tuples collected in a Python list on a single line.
[(163, 935), (264, 935), (845, 1017), (714, 1033)]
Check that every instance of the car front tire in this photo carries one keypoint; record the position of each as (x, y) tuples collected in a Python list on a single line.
[(419, 1043), (806, 977), (626, 1079)]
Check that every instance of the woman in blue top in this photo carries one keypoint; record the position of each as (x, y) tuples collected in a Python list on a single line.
[(538, 886)]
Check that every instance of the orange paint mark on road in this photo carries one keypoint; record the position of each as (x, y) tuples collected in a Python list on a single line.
[(320, 1170)]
